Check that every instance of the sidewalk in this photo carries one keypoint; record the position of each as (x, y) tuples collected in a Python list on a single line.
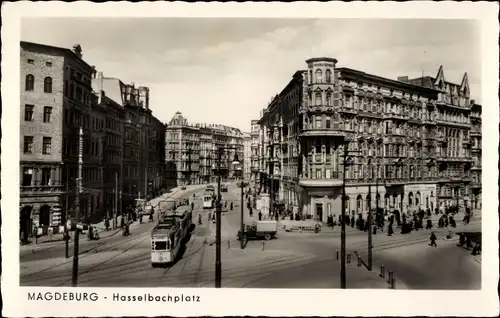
[(46, 240)]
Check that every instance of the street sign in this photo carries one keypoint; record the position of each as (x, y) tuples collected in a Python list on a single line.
[(79, 226)]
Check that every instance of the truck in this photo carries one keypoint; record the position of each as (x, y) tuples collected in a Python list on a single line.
[(259, 230)]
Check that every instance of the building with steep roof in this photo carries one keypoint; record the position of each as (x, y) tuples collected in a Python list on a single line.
[(408, 142)]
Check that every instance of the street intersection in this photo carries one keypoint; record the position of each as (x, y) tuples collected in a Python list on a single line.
[(293, 260)]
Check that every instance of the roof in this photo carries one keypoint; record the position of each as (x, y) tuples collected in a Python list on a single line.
[(53, 50), (399, 84)]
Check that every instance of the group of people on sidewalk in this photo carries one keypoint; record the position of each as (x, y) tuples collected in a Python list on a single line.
[(406, 222)]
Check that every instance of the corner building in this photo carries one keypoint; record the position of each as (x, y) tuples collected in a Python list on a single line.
[(408, 140)]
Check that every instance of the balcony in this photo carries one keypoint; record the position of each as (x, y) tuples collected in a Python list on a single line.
[(476, 185), (452, 123), (324, 132), (347, 110), (320, 183), (444, 158), (402, 116), (475, 133)]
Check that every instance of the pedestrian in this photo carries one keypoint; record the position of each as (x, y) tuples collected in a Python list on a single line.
[(429, 224), (260, 215), (390, 230), (433, 240)]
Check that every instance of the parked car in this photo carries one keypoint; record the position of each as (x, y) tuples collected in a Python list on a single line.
[(183, 188)]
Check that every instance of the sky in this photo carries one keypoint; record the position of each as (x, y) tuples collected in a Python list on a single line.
[(225, 70)]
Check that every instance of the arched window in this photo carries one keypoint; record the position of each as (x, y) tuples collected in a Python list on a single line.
[(317, 101), (319, 76), (368, 202), (329, 99), (410, 199), (328, 74), (359, 204), (30, 82), (47, 85)]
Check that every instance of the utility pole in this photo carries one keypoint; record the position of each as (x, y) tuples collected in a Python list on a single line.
[(115, 208), (189, 164), (242, 223), (218, 265), (370, 217), (342, 233), (377, 198), (146, 183), (77, 209), (66, 234)]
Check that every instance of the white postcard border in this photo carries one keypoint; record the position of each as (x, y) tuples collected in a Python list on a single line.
[(277, 302)]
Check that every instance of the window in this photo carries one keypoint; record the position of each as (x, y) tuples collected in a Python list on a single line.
[(47, 85), (318, 173), (318, 122), (48, 63), (328, 76), (66, 88), (28, 144), (47, 145), (319, 76), (318, 99), (72, 91), (328, 123), (27, 176), (329, 99), (31, 61), (78, 94), (28, 112), (30, 82), (46, 172), (47, 112)]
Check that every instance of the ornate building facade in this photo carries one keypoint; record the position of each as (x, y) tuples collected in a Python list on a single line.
[(254, 162), (408, 142), (191, 151), (247, 156)]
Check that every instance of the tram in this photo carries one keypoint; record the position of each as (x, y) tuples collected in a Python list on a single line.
[(208, 200), (169, 235)]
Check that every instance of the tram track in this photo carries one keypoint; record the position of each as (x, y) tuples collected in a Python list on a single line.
[(85, 254), (108, 259)]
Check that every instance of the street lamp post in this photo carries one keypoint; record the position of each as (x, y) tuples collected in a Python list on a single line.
[(74, 277), (346, 161), (370, 217), (66, 230), (242, 223), (218, 262), (342, 233)]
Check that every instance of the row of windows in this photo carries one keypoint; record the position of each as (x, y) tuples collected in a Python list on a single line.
[(320, 79), (28, 147), (32, 61), (30, 83), (29, 112), (78, 94), (31, 177)]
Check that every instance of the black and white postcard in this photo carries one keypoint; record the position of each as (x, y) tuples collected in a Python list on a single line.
[(303, 159)]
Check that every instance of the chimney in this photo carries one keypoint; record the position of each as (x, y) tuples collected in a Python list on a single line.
[(94, 72), (77, 49), (403, 79)]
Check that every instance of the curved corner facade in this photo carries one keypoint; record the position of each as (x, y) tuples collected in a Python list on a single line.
[(412, 143)]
